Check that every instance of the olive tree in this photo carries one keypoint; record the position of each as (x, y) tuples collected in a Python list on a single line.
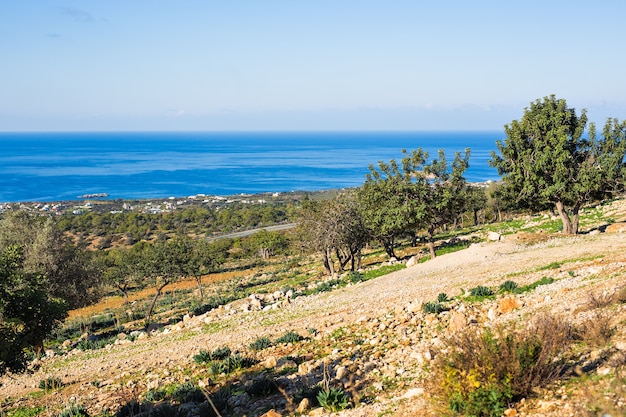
[(28, 312), (546, 159), (335, 229), (398, 199)]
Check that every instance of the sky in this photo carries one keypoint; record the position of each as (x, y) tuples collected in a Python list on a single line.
[(209, 65)]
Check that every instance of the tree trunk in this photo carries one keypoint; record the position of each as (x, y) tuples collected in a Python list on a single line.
[(124, 290), (388, 245), (200, 289), (159, 289), (431, 242), (329, 268), (568, 227)]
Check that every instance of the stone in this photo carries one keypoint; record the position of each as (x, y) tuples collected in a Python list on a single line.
[(414, 307), (494, 236), (509, 304), (304, 406), (411, 262), (510, 412), (270, 362), (616, 228), (458, 321), (492, 314), (413, 392), (341, 372)]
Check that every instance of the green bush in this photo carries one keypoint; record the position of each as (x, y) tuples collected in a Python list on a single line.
[(481, 291), (262, 387), (333, 399), (205, 356), (51, 383), (442, 297), (433, 307), (289, 337), (261, 343), (231, 364), (483, 372), (74, 410), (508, 286)]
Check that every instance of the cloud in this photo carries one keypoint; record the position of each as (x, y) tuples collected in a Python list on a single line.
[(78, 15)]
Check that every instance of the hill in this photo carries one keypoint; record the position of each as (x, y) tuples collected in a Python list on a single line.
[(376, 340)]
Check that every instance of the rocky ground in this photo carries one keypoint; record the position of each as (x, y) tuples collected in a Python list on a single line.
[(372, 339)]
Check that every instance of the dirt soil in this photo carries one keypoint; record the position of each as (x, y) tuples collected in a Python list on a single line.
[(589, 263)]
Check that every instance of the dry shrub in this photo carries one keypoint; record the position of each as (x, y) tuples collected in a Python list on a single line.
[(597, 330), (481, 372), (599, 300)]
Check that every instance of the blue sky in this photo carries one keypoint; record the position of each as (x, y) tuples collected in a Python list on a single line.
[(304, 64)]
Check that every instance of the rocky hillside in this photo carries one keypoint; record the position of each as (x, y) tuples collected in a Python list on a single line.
[(374, 342)]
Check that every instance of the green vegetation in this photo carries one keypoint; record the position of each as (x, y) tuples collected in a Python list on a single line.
[(486, 371), (545, 160), (333, 399)]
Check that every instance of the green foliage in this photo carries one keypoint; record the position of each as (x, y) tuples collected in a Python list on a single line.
[(432, 307), (51, 383), (262, 387), (442, 297), (398, 198), (74, 410), (481, 291), (289, 337), (545, 160), (28, 312), (508, 286), (261, 343), (333, 399), (205, 356), (530, 287), (231, 364), (482, 372)]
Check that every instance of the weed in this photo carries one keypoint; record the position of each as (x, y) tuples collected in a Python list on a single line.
[(434, 307), (261, 343), (355, 277), (442, 297), (481, 291), (508, 286), (262, 387), (26, 412), (74, 410), (530, 287), (51, 383), (597, 330), (188, 393), (289, 337), (205, 356), (231, 364), (482, 372), (332, 399)]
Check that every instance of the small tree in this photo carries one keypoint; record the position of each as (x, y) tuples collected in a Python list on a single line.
[(28, 312), (398, 199), (546, 160)]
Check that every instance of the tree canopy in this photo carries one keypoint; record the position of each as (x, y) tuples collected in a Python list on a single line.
[(546, 159)]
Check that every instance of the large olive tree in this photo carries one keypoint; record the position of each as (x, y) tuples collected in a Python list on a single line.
[(546, 159)]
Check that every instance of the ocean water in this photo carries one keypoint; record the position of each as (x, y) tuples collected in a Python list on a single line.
[(62, 166)]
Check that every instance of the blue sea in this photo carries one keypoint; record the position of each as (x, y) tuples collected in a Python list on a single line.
[(62, 166)]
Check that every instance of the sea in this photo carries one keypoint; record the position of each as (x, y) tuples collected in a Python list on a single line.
[(59, 166)]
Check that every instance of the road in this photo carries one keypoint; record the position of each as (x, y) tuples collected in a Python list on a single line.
[(253, 231)]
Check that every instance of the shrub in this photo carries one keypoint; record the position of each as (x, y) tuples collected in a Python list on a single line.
[(481, 291), (289, 337), (51, 383), (262, 387), (442, 297), (355, 277), (74, 410), (261, 343), (508, 286), (26, 412), (482, 372), (205, 356), (597, 330), (188, 393), (433, 307), (231, 364), (333, 399)]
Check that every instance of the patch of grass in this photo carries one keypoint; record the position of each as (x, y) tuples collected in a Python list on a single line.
[(74, 410), (530, 287), (551, 265), (481, 291), (383, 270), (26, 411), (483, 372), (205, 356), (231, 364), (443, 297)]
